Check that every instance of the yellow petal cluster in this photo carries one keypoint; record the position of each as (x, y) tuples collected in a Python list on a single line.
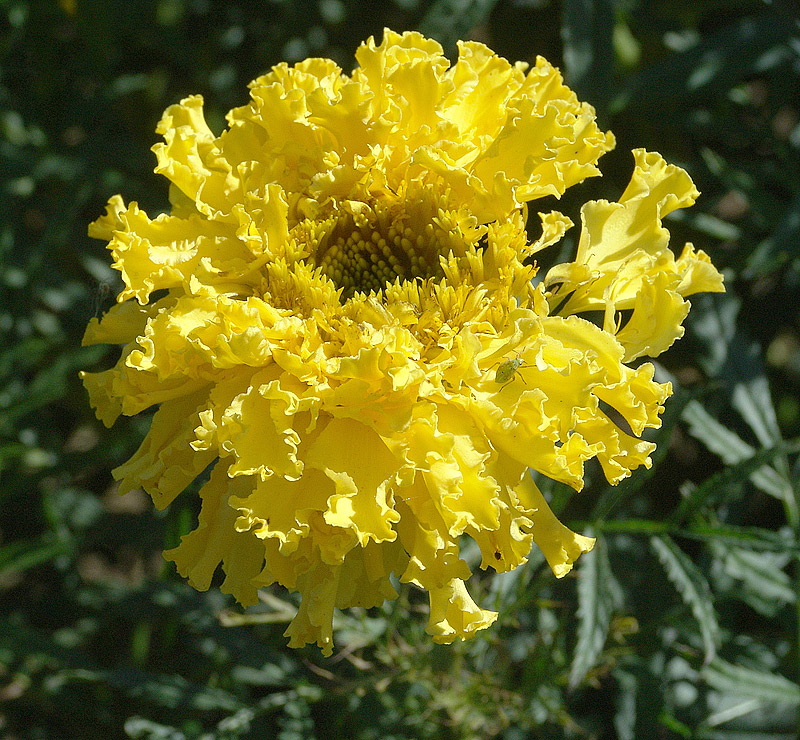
[(342, 328)]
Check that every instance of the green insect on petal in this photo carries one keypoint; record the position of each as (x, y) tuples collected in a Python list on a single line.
[(507, 370)]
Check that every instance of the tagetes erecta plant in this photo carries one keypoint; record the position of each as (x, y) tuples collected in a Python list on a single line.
[(339, 316)]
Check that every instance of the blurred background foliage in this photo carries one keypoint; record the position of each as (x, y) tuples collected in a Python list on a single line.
[(683, 622)]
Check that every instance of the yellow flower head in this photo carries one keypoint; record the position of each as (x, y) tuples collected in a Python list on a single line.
[(339, 317)]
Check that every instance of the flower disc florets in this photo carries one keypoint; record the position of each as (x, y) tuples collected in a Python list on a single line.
[(369, 250), (347, 333)]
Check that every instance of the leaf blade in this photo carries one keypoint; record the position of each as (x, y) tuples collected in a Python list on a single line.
[(598, 593), (693, 589), (747, 682)]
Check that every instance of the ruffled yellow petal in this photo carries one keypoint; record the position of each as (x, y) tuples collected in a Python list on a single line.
[(314, 619), (365, 575), (363, 470), (262, 427), (560, 545), (550, 140), (165, 252), (482, 85), (166, 463), (121, 324), (217, 542), (454, 613), (190, 158), (105, 226), (285, 510), (656, 321), (624, 262), (507, 546), (433, 554), (697, 273), (106, 403)]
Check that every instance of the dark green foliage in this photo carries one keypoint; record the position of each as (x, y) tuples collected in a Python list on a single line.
[(683, 622)]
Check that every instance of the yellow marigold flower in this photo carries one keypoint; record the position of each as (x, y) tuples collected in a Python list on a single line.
[(339, 317)]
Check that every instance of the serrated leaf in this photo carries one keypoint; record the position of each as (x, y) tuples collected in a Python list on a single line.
[(751, 397), (752, 538), (625, 705), (736, 361), (746, 682), (742, 459), (598, 593), (760, 579), (713, 321), (720, 440), (693, 589), (753, 401), (732, 449)]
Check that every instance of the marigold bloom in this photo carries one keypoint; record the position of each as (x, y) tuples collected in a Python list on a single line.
[(339, 317)]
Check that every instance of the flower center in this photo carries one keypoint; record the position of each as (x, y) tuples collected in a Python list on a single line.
[(365, 257)]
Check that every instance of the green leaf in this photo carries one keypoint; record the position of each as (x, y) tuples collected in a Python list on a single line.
[(691, 584), (732, 449), (752, 538), (712, 66), (8, 453), (719, 483), (736, 361), (633, 526), (448, 21), (720, 440), (746, 682), (51, 382), (781, 246), (747, 735), (752, 399), (714, 322), (625, 714), (598, 594), (754, 402), (139, 728), (587, 30), (758, 578), (164, 690), (20, 556), (713, 226)]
